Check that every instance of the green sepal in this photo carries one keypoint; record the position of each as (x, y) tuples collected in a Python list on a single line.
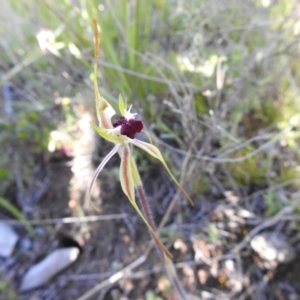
[(154, 151), (105, 133)]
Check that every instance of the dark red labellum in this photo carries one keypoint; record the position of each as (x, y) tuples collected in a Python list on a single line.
[(129, 127), (121, 121), (137, 124)]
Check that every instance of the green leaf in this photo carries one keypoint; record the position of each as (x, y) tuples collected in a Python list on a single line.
[(105, 133), (3, 173), (14, 211)]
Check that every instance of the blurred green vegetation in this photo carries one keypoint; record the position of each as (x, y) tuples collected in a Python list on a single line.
[(17, 214), (6, 291), (226, 91)]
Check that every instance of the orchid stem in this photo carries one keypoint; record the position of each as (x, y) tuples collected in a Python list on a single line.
[(179, 292), (148, 216)]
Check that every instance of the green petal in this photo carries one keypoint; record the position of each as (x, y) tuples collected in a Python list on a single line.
[(154, 151), (105, 133), (135, 173), (122, 105)]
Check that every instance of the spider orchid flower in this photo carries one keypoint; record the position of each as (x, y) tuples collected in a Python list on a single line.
[(122, 134)]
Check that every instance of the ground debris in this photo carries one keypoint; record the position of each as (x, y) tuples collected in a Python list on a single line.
[(273, 247)]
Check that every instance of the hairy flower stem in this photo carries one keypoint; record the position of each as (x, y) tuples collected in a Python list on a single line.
[(179, 292), (149, 218)]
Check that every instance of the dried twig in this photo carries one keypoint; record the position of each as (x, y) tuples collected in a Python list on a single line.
[(114, 278), (69, 220)]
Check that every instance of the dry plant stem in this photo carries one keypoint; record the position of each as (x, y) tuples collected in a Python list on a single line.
[(114, 278), (69, 220), (179, 292)]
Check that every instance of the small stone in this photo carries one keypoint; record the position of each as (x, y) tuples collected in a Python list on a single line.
[(229, 264), (8, 240), (55, 262), (203, 276), (246, 214), (273, 247), (25, 244)]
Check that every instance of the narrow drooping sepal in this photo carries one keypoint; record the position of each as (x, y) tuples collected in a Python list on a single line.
[(127, 183), (102, 165), (154, 151), (126, 179)]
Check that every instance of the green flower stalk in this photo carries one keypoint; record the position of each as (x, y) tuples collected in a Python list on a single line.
[(122, 134)]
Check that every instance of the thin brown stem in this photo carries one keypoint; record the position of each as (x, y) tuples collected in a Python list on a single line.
[(179, 292), (148, 215)]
